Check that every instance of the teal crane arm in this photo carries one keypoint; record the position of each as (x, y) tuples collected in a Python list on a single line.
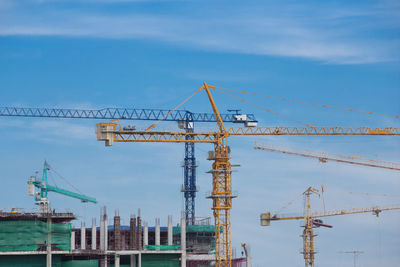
[(64, 192), (39, 184)]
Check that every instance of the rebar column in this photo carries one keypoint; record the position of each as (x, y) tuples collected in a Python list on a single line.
[(132, 233), (117, 231), (139, 242), (104, 236)]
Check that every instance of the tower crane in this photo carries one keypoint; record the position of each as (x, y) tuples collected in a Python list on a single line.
[(184, 118), (44, 187), (221, 171), (325, 157), (311, 221)]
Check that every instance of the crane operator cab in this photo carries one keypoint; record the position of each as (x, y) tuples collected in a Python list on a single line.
[(242, 118)]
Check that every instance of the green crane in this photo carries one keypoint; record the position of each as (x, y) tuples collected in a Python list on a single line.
[(44, 187)]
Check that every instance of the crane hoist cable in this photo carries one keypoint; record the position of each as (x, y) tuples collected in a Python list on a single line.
[(372, 194), (276, 113), (288, 204), (66, 180), (157, 122), (313, 104)]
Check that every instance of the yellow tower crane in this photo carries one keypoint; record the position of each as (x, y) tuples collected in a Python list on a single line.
[(311, 221), (222, 194), (325, 157)]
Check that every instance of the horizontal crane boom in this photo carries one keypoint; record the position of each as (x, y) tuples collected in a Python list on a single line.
[(64, 192), (40, 185), (325, 157), (120, 113), (108, 132), (314, 131), (266, 217)]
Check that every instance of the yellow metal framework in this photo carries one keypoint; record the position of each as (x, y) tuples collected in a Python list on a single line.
[(308, 232), (109, 132), (221, 168)]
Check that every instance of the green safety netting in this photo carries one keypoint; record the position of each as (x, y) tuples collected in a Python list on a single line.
[(80, 263), (162, 247), (28, 261), (160, 260), (195, 228), (32, 235)]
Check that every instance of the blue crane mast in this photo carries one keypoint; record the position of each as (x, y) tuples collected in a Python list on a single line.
[(184, 118)]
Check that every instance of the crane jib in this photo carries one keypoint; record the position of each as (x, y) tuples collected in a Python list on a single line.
[(120, 113)]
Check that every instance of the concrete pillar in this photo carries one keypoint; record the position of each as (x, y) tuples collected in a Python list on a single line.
[(183, 234), (94, 234), (140, 260), (105, 239), (133, 260), (72, 240), (49, 261), (116, 260), (83, 236), (157, 232), (101, 235), (169, 230), (146, 235), (105, 233), (248, 256), (183, 242)]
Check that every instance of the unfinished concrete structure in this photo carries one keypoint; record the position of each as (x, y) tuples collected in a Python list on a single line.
[(116, 245)]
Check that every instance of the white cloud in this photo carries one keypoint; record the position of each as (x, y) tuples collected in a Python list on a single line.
[(328, 39)]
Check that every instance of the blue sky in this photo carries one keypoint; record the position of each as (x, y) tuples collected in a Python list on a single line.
[(154, 54)]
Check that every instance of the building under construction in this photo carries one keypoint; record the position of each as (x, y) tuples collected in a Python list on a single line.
[(48, 239)]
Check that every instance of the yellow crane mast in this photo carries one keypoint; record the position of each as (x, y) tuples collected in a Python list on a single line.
[(325, 157), (310, 221), (221, 194)]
